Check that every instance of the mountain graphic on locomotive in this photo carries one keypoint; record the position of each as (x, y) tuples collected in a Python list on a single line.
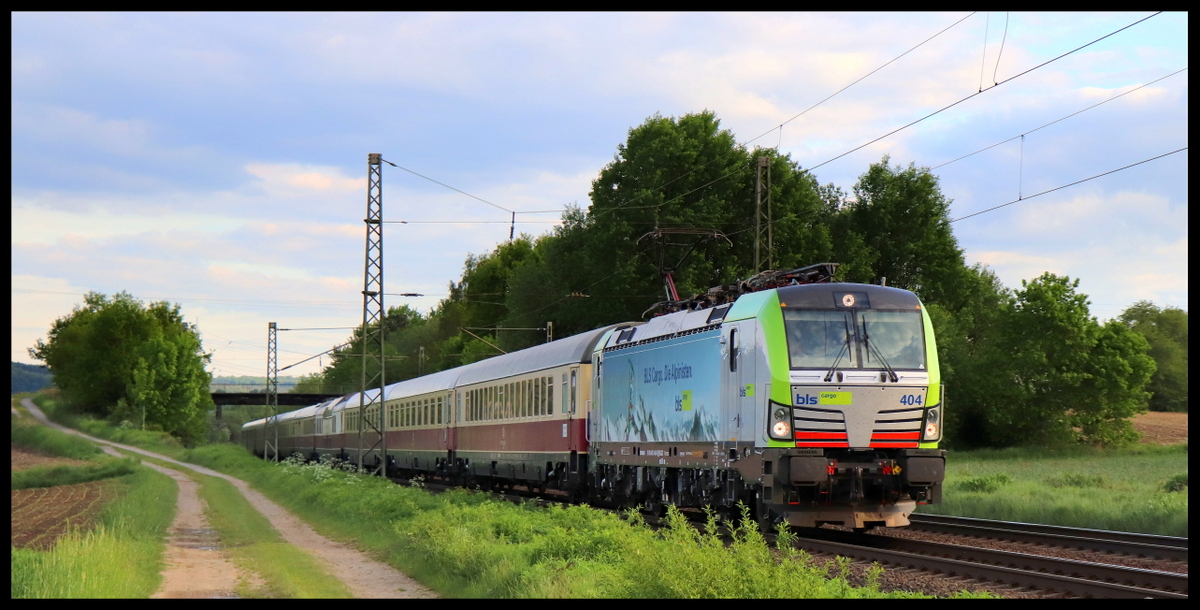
[(810, 401)]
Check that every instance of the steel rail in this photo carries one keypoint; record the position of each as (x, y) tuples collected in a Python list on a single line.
[(1139, 545), (1134, 577), (984, 571)]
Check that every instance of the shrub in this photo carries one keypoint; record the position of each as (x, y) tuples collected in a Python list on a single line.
[(1178, 482)]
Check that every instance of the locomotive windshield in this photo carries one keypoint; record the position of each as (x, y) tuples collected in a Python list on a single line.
[(863, 339)]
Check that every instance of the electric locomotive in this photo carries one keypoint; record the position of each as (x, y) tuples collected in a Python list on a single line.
[(812, 403)]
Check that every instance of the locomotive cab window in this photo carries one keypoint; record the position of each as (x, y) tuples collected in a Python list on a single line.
[(862, 339)]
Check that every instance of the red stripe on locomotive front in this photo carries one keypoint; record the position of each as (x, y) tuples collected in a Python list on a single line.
[(896, 436), (821, 435)]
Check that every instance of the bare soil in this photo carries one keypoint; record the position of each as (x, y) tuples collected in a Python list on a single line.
[(1159, 428), (40, 516)]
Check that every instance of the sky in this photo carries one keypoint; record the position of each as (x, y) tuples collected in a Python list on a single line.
[(219, 160)]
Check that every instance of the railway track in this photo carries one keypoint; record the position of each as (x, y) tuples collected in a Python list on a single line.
[(1169, 548), (1055, 575)]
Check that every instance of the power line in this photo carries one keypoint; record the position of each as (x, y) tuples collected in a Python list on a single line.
[(316, 356), (949, 106), (498, 207), (247, 302), (472, 222), (1071, 184), (321, 328), (780, 127), (1061, 119)]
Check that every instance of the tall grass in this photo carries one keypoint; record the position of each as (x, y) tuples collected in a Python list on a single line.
[(1140, 489), (53, 476), (120, 558), (466, 544), (25, 432)]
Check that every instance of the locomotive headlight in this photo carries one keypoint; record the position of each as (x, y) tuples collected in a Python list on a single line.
[(781, 422), (781, 429), (932, 425)]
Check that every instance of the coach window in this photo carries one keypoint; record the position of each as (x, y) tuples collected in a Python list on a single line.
[(526, 399), (519, 399), (537, 396)]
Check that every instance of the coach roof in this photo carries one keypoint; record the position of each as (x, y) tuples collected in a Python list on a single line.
[(576, 349)]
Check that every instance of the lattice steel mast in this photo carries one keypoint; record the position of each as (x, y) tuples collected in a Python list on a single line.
[(762, 219), (371, 438), (271, 448)]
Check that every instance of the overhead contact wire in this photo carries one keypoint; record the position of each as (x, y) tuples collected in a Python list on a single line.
[(949, 106), (1057, 188), (1119, 95)]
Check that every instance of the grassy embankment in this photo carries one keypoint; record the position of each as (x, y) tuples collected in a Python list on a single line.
[(1138, 489), (121, 555), (467, 544)]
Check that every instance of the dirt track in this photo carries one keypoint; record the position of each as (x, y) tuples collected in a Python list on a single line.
[(363, 576)]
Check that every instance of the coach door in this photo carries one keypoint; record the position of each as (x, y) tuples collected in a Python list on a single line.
[(570, 400)]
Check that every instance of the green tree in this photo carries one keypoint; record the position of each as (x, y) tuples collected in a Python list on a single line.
[(1166, 330), (900, 218), (1047, 373), (605, 263), (313, 383), (965, 340), (118, 359)]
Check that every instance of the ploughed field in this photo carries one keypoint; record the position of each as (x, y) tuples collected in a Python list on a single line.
[(40, 516), (1162, 428)]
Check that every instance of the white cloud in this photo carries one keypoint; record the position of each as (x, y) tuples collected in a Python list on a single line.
[(291, 179)]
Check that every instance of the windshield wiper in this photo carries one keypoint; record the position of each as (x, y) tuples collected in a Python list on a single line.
[(871, 347), (845, 349)]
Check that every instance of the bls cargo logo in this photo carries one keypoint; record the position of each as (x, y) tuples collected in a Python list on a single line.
[(824, 398)]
